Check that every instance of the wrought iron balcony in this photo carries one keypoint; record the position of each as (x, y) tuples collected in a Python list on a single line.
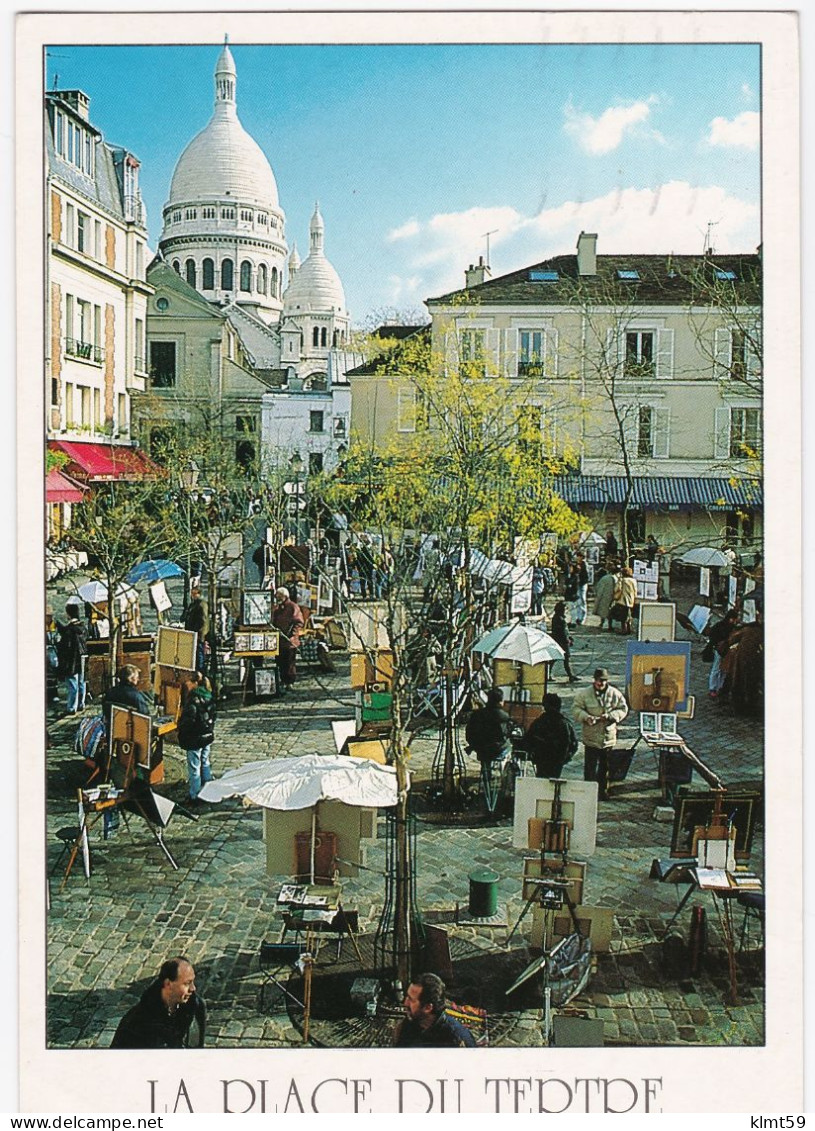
[(85, 351)]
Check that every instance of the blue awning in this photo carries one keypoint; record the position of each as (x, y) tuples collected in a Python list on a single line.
[(661, 492)]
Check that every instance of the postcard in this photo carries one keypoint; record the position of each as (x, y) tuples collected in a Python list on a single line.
[(237, 233)]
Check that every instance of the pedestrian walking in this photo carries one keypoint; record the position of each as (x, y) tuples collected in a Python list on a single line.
[(559, 631), (579, 609), (196, 619), (625, 597), (599, 709), (164, 1015), (288, 620), (604, 588), (71, 656), (538, 588), (196, 733), (718, 642)]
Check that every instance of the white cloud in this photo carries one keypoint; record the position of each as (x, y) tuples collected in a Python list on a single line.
[(741, 132), (408, 229), (672, 217), (747, 92), (605, 133)]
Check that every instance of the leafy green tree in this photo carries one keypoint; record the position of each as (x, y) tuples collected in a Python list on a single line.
[(474, 472)]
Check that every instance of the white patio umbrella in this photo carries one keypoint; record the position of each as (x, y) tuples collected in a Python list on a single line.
[(705, 556), (303, 782), (592, 539), (96, 591), (522, 642)]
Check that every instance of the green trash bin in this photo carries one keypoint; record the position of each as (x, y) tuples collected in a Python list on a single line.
[(483, 893)]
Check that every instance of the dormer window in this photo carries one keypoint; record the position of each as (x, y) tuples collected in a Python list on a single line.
[(74, 143)]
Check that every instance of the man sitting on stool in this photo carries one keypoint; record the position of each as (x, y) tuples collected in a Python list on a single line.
[(125, 692), (488, 729), (426, 1025)]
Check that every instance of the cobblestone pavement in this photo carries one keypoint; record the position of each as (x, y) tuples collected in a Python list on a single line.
[(106, 936)]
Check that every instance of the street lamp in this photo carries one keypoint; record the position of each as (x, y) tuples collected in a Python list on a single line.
[(298, 490), (188, 477)]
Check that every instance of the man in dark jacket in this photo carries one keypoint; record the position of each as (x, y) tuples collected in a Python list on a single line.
[(71, 653), (164, 1015), (125, 692), (488, 728), (426, 1025), (551, 740), (196, 732)]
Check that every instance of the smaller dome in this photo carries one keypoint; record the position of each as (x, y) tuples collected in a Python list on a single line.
[(315, 285)]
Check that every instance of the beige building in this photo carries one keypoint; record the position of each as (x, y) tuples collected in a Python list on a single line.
[(208, 366), (640, 368), (96, 287)]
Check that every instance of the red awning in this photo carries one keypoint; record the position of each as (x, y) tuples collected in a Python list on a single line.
[(95, 462), (60, 489)]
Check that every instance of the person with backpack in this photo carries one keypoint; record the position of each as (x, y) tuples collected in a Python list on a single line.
[(551, 740), (196, 733)]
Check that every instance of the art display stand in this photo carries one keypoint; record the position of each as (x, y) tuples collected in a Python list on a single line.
[(716, 845), (524, 686), (549, 891)]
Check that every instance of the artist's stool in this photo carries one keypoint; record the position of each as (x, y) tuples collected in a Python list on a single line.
[(68, 836), (753, 904)]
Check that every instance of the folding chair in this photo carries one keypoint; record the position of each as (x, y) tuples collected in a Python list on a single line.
[(274, 957)]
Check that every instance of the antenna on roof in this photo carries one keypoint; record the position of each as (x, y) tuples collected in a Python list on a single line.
[(709, 248), (486, 235)]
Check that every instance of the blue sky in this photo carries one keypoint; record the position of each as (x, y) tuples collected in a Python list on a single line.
[(415, 152)]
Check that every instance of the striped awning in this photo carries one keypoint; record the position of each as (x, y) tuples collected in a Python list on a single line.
[(661, 492), (61, 488)]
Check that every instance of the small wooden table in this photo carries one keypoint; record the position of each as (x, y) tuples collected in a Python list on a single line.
[(317, 908)]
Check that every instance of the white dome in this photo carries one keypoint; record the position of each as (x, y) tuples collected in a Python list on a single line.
[(223, 160), (316, 285)]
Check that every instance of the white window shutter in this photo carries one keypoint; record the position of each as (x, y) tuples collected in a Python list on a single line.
[(450, 352), (721, 442), (511, 353), (615, 345), (665, 353), (492, 349), (630, 415), (551, 354), (754, 351), (406, 409), (722, 352), (549, 429), (661, 433)]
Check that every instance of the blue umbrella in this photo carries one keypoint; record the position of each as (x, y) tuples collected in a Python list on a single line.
[(158, 569)]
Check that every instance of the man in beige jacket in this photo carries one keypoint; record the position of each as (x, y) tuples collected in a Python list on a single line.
[(598, 709)]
